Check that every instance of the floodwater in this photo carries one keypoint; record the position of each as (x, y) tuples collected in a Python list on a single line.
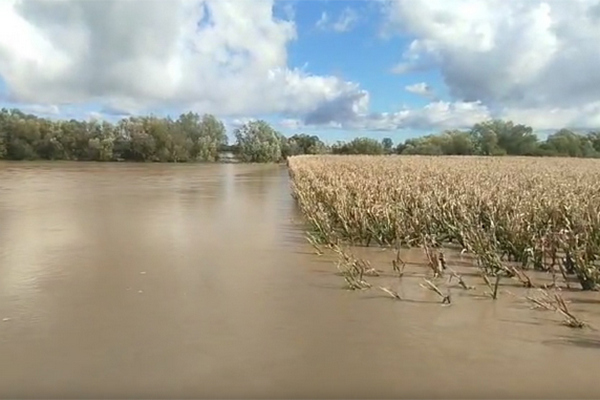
[(180, 281)]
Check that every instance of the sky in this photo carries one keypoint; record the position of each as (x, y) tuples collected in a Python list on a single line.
[(337, 69)]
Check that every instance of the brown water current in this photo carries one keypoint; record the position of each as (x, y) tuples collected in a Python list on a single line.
[(180, 281)]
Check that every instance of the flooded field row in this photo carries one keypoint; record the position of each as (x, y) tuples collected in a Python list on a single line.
[(180, 281)]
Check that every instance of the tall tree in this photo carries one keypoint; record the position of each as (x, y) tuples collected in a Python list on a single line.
[(259, 142), (388, 145)]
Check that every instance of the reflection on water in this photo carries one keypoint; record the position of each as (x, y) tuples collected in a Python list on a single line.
[(124, 280)]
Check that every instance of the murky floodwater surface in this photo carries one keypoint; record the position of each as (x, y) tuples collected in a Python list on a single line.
[(120, 280)]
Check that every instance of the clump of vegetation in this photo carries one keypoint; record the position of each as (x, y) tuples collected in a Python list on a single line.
[(353, 269), (511, 215)]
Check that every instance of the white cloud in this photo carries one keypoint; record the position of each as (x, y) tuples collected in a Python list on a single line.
[(434, 116), (537, 62), (39, 109), (226, 57), (582, 117), (323, 20), (289, 9), (532, 59), (291, 123), (420, 88), (345, 22), (239, 122), (401, 68), (95, 115)]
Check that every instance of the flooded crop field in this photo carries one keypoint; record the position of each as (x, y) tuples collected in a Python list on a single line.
[(180, 281)]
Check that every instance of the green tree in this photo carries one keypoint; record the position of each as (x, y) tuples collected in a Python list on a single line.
[(203, 135), (304, 144), (22, 136), (431, 145), (149, 138), (594, 139), (257, 141), (360, 145), (498, 137), (49, 147), (485, 137), (388, 145), (567, 143), (459, 143)]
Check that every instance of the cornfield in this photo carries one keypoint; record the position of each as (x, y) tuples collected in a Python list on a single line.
[(511, 214)]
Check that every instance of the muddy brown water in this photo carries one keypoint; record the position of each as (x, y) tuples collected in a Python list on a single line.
[(175, 281)]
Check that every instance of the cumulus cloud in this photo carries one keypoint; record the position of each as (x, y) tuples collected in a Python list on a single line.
[(239, 122), (548, 118), (436, 115), (221, 56), (345, 22), (534, 61), (201, 55), (523, 58), (343, 108), (291, 123), (421, 88), (39, 109)]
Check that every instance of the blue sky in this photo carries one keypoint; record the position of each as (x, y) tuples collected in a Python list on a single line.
[(363, 53), (338, 69), (360, 54)]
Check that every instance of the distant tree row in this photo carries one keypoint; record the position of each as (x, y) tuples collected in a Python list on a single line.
[(189, 138), (498, 137), (192, 137), (492, 138)]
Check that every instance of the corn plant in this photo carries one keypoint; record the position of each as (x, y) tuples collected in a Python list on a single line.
[(511, 213)]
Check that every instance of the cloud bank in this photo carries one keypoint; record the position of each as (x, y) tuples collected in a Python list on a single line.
[(133, 55), (535, 61)]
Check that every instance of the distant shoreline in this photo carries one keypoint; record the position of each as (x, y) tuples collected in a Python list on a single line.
[(123, 161)]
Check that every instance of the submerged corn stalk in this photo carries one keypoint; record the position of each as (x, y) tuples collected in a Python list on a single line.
[(431, 286), (398, 264), (493, 293), (393, 294), (556, 303), (352, 269), (459, 278)]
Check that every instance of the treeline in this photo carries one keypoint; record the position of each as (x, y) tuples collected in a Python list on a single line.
[(194, 138), (189, 138), (493, 138)]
